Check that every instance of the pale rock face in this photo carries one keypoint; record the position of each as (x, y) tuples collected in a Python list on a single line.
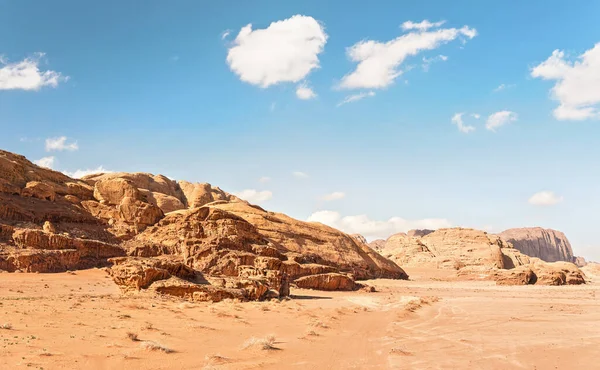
[(546, 244), (477, 255)]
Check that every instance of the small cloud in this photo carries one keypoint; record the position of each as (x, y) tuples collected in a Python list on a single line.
[(545, 198), (60, 144), (421, 26), (458, 121), (254, 196), (26, 75), (503, 87), (264, 179), (286, 51), (77, 174), (225, 34), (336, 195), (476, 115), (47, 162), (300, 175), (427, 62), (355, 97), (498, 119), (304, 92)]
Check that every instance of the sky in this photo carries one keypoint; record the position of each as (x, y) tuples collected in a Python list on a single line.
[(373, 118)]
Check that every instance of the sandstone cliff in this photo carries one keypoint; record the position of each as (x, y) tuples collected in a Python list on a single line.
[(174, 237), (546, 244)]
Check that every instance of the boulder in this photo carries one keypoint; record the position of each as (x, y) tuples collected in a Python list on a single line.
[(331, 281), (39, 190)]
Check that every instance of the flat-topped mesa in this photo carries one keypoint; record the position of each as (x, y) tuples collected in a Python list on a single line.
[(476, 254), (546, 244), (160, 229)]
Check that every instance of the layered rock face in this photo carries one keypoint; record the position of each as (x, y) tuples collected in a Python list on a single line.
[(475, 254), (546, 244), (191, 240)]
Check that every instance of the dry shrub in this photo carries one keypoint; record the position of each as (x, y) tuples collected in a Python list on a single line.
[(265, 344), (153, 346)]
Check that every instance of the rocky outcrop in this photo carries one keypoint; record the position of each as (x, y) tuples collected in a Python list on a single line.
[(579, 261), (546, 244), (477, 255), (191, 240), (419, 233)]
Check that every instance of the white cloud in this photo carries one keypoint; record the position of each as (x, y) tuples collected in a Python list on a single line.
[(286, 51), (47, 162), (499, 119), (300, 175), (77, 174), (421, 26), (427, 62), (336, 195), (355, 97), (577, 83), (225, 34), (545, 198), (264, 179), (476, 115), (379, 62), (26, 75), (254, 196), (304, 92), (458, 121), (503, 87), (363, 225), (60, 144)]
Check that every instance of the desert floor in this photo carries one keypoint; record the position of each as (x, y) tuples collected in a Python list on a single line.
[(80, 321)]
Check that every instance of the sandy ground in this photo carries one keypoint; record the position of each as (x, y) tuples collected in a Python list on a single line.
[(80, 321)]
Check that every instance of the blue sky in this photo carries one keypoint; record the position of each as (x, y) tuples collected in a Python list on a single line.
[(148, 86)]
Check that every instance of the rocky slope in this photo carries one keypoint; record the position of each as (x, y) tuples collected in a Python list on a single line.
[(475, 254), (546, 244), (187, 239)]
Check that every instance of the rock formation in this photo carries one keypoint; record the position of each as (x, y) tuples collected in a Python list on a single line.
[(546, 244), (475, 254), (190, 240)]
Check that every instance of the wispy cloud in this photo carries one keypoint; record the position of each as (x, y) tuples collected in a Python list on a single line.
[(458, 121), (355, 97), (379, 63), (502, 87), (427, 62), (498, 119), (300, 175)]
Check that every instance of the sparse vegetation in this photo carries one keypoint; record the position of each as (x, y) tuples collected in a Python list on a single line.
[(132, 336), (265, 344), (153, 346)]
